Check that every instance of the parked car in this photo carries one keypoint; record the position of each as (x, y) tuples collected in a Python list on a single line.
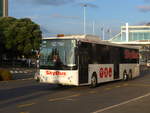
[(142, 62)]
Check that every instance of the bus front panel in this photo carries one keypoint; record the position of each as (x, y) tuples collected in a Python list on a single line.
[(58, 62)]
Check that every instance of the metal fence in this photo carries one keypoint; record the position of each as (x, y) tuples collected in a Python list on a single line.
[(18, 63)]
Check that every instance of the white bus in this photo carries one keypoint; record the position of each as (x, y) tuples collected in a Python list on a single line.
[(85, 60)]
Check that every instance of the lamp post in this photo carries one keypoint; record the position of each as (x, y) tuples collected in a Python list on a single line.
[(5, 8), (127, 32), (103, 33), (93, 27)]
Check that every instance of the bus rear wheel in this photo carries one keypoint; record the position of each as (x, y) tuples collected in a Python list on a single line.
[(93, 81)]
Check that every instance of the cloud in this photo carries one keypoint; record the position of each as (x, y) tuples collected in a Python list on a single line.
[(65, 17), (34, 17), (142, 23), (47, 2), (73, 23), (57, 2), (144, 8), (88, 5), (53, 2)]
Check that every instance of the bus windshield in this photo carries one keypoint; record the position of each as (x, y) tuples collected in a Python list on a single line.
[(57, 53)]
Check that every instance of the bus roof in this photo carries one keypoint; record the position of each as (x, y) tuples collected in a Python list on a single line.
[(79, 37), (90, 39)]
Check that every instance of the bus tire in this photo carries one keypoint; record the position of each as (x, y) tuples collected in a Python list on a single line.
[(60, 85), (130, 74), (37, 79), (93, 80), (125, 76)]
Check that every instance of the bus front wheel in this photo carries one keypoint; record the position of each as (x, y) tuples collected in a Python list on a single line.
[(93, 81)]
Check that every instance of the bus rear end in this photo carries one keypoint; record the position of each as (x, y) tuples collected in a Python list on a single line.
[(57, 62)]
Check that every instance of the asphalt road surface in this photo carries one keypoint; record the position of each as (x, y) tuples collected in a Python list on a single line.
[(28, 96)]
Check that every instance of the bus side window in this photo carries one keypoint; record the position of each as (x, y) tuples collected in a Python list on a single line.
[(103, 54), (86, 50)]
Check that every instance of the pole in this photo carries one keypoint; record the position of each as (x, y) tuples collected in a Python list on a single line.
[(103, 34), (127, 32), (109, 32), (93, 27), (5, 8)]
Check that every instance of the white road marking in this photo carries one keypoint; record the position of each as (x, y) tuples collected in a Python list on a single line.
[(123, 103)]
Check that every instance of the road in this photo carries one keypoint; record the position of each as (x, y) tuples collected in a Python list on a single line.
[(28, 96)]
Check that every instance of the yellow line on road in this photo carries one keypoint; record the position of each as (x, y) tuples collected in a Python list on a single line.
[(108, 88), (125, 84), (25, 112), (26, 105), (92, 92), (145, 85), (63, 98), (117, 86)]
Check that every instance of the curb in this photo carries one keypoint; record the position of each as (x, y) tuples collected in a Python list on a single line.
[(16, 71), (21, 70), (17, 80)]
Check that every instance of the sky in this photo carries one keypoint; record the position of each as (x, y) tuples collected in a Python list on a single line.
[(67, 16)]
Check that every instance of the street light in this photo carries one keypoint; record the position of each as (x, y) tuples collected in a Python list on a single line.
[(103, 33), (5, 8), (93, 27)]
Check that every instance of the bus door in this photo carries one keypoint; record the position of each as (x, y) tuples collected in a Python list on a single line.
[(83, 66), (116, 56), (116, 71)]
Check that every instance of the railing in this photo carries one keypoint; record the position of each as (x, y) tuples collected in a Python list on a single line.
[(18, 63)]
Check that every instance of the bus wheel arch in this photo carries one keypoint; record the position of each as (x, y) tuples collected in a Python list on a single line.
[(93, 80), (125, 75)]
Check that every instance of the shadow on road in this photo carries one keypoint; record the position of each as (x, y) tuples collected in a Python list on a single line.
[(34, 91), (22, 94)]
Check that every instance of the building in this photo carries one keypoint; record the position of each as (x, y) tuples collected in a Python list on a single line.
[(3, 8), (136, 36)]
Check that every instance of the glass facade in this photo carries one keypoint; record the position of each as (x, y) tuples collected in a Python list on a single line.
[(136, 33), (136, 36)]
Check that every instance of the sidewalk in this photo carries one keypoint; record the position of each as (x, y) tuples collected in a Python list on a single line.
[(21, 73)]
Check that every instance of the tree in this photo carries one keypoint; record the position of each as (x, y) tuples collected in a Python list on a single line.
[(21, 36), (1, 46), (4, 23)]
